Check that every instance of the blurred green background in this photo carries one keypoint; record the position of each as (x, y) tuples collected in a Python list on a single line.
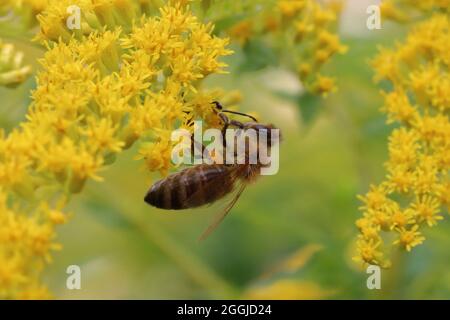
[(332, 150)]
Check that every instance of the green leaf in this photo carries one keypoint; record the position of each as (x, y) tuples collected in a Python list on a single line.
[(226, 23), (309, 105), (257, 56), (106, 214)]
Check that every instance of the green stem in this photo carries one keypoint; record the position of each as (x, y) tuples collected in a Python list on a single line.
[(392, 283)]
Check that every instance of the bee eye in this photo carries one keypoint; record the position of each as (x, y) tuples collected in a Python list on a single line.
[(218, 105)]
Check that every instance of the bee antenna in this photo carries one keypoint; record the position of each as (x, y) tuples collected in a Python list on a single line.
[(220, 107), (241, 114)]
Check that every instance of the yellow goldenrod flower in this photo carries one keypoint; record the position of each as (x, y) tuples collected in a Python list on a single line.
[(302, 28), (400, 219), (409, 238), (398, 107), (426, 210), (386, 65), (308, 33), (369, 251), (399, 179), (370, 232), (375, 199), (102, 135), (389, 11), (416, 189), (157, 156), (304, 70), (123, 77), (324, 85), (290, 8), (323, 17)]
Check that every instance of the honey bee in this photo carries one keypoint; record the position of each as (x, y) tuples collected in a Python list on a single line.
[(206, 183)]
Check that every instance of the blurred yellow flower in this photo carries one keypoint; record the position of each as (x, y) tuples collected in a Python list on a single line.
[(242, 31), (305, 29), (405, 10), (289, 290), (290, 8), (324, 85), (12, 69)]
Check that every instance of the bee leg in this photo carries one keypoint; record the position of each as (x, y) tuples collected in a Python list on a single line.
[(195, 145), (226, 124), (237, 124)]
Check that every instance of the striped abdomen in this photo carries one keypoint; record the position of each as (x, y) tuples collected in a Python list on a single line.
[(191, 187)]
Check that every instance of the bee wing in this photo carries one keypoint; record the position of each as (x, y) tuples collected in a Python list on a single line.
[(224, 180), (219, 217)]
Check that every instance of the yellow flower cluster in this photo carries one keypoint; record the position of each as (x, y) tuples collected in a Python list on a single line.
[(124, 76), (416, 190), (406, 10), (304, 33), (279, 282), (12, 69)]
